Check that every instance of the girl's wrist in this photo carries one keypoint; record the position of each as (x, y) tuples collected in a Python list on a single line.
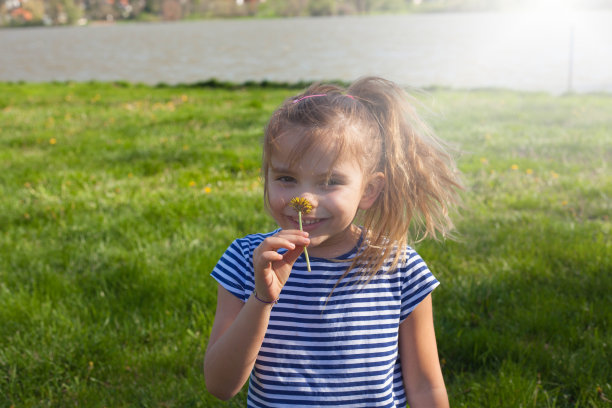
[(264, 300)]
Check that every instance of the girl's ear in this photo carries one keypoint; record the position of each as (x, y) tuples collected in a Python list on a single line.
[(374, 185)]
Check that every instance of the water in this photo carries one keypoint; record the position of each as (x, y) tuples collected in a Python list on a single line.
[(516, 51)]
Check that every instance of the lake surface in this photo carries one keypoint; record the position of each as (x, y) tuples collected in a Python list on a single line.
[(464, 50)]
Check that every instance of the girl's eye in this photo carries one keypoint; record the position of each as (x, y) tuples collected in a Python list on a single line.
[(332, 182), (285, 179)]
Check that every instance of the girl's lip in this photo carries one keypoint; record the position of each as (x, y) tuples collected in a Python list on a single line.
[(308, 224)]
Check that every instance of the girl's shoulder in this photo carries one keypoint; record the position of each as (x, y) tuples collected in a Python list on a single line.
[(406, 252), (407, 262), (409, 256)]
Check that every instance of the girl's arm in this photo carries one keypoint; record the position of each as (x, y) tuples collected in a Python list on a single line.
[(239, 328), (419, 359), (234, 343)]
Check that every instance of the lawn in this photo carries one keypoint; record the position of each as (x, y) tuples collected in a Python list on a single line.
[(118, 199)]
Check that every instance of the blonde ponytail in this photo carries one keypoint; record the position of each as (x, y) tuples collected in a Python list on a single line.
[(421, 180)]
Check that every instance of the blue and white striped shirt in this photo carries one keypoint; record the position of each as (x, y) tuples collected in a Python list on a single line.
[(341, 351)]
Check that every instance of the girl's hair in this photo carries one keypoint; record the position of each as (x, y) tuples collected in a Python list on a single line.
[(375, 122)]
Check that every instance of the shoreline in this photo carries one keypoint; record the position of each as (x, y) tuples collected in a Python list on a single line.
[(214, 83), (426, 10)]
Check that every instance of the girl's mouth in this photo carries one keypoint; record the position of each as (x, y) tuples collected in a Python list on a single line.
[(308, 224)]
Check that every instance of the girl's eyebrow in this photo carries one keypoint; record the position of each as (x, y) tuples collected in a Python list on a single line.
[(335, 175), (280, 169)]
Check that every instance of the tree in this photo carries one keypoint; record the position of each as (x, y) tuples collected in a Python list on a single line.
[(321, 7), (62, 11)]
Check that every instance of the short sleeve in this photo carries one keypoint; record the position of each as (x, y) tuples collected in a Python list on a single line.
[(232, 270), (417, 283)]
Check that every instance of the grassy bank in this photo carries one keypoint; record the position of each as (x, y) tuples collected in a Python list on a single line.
[(118, 199)]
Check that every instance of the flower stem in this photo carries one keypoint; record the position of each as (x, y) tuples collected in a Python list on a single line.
[(305, 250)]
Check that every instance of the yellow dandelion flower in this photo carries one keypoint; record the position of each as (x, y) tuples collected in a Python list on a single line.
[(514, 167), (302, 205), (91, 365), (52, 141), (564, 203), (207, 190), (529, 171), (554, 175), (484, 160), (184, 98), (192, 183)]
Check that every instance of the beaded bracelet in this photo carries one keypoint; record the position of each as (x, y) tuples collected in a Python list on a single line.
[(264, 301)]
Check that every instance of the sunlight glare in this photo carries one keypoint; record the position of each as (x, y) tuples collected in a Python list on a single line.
[(560, 11)]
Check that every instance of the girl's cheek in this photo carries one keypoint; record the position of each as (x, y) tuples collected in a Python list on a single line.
[(277, 198)]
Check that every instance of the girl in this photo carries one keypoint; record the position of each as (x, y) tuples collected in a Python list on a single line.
[(356, 330)]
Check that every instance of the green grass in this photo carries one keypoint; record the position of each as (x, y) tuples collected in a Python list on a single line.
[(118, 199)]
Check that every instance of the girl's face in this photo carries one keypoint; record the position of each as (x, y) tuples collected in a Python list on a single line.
[(335, 188)]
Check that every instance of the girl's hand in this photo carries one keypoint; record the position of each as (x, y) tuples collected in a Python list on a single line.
[(273, 269)]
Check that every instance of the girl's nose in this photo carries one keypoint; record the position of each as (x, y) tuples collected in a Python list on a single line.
[(312, 199), (304, 200)]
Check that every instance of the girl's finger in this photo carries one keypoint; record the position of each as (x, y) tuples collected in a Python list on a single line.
[(287, 241), (271, 256), (276, 243), (292, 232)]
